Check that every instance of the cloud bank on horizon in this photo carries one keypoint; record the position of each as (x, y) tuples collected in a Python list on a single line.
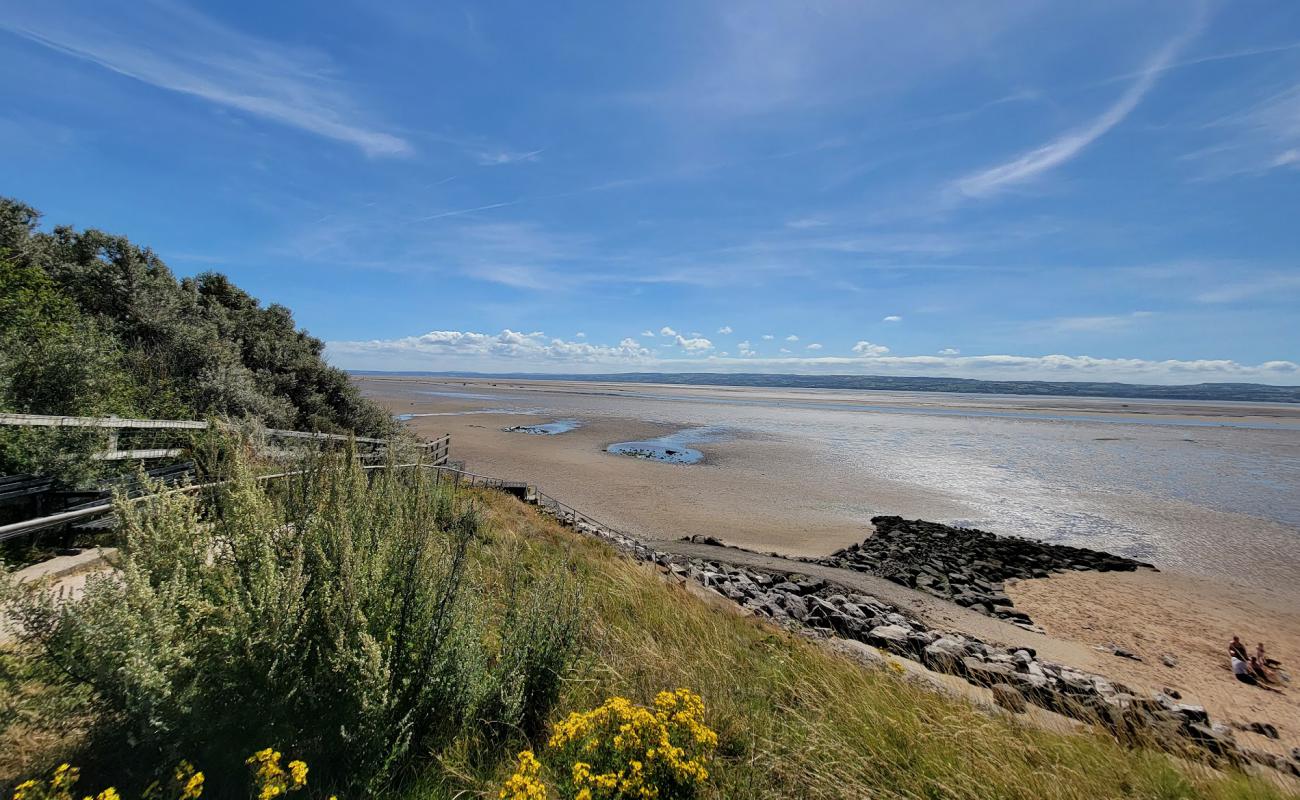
[(512, 351), (972, 190)]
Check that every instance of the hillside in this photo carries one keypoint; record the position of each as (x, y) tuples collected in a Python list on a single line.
[(92, 324), (1251, 392), (426, 688)]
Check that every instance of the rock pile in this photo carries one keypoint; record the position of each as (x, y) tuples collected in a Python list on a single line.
[(970, 567), (1017, 677)]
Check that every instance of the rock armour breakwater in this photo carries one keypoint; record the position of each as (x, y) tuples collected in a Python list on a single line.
[(968, 566), (815, 607)]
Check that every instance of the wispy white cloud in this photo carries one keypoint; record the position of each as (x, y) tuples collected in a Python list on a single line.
[(648, 333), (1030, 165), (1109, 323), (1274, 285), (792, 338), (497, 158), (173, 47), (805, 223), (767, 337), (949, 351), (892, 318), (725, 330), (667, 331), (815, 346), (1262, 137)]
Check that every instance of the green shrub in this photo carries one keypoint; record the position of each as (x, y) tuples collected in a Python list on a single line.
[(338, 611)]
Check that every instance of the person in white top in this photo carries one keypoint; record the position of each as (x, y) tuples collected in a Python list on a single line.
[(1241, 670)]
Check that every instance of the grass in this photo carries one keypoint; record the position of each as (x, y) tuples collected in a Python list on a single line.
[(793, 718), (796, 720)]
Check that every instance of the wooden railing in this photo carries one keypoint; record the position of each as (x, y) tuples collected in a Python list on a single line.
[(561, 511), (435, 453)]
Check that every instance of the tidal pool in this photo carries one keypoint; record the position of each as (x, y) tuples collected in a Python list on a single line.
[(670, 449), (546, 428)]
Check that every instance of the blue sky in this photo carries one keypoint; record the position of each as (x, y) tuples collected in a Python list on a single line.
[(1036, 190)]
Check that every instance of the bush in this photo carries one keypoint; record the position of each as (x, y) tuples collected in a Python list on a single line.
[(339, 611), (622, 751)]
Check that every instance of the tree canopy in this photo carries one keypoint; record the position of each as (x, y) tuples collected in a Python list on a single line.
[(92, 324)]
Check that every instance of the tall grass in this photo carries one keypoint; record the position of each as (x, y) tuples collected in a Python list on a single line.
[(406, 637), (340, 614), (798, 721)]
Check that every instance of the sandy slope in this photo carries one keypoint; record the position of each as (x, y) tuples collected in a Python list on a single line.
[(1192, 619)]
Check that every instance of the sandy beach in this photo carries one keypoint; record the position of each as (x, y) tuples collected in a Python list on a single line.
[(800, 472)]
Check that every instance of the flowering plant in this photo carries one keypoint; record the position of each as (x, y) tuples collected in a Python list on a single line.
[(620, 750)]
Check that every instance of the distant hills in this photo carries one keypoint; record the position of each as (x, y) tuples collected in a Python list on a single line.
[(1254, 392)]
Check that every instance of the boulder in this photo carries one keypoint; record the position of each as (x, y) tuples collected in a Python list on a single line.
[(1009, 697), (891, 637), (984, 674), (945, 654)]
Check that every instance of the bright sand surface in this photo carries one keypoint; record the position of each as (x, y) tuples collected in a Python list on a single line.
[(1210, 493), (1154, 614)]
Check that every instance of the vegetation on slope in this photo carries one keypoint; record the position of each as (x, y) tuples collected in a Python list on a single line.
[(92, 324), (402, 636)]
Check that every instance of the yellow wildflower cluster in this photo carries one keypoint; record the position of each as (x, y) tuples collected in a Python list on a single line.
[(189, 781), (524, 784), (273, 780), (621, 750), (59, 787), (270, 780)]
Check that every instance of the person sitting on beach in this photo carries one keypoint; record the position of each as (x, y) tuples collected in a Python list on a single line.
[(1260, 672), (1241, 671), (1271, 663), (1236, 649)]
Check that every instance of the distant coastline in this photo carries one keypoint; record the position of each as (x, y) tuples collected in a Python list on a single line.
[(1222, 392)]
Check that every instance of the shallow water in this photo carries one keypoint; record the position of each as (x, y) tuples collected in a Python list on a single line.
[(1213, 488), (546, 428), (671, 448)]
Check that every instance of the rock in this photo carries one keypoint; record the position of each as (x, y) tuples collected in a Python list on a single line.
[(809, 585), (1009, 697), (1191, 713), (945, 654), (1168, 661), (983, 674), (1263, 729), (890, 637), (1213, 738), (1123, 653)]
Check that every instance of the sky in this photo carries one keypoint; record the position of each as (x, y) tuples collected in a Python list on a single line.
[(1024, 190)]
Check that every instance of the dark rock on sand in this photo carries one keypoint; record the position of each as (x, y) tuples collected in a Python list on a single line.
[(968, 566)]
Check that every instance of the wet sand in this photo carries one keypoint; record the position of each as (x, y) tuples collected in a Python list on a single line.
[(804, 491)]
